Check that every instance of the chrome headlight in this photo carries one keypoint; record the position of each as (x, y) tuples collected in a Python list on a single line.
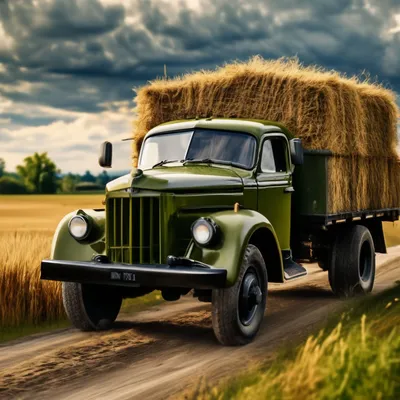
[(79, 227), (205, 231)]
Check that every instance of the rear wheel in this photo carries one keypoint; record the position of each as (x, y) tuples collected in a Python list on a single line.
[(90, 307), (352, 270), (237, 311)]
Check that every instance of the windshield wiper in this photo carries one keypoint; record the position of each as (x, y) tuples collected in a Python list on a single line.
[(159, 164), (211, 161), (200, 160)]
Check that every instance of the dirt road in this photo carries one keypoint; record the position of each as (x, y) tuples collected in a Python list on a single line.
[(157, 353)]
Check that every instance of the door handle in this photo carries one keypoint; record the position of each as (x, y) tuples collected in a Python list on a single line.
[(289, 189)]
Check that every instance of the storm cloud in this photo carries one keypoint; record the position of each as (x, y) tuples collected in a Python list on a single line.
[(65, 60)]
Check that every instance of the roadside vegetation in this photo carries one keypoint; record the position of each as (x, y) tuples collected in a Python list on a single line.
[(356, 356), (24, 299)]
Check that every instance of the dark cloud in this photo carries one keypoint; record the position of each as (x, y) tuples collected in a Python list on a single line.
[(21, 119), (97, 137), (59, 19), (79, 55)]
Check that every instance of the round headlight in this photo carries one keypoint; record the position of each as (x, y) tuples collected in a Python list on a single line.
[(78, 227), (204, 231)]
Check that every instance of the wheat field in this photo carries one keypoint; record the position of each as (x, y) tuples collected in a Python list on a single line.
[(27, 224), (24, 298)]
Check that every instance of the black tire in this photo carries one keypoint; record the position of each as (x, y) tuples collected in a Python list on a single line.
[(352, 270), (236, 318), (90, 307)]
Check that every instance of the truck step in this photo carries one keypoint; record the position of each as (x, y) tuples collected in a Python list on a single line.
[(293, 270)]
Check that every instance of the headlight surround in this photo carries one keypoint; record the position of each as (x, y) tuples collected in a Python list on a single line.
[(205, 232), (79, 227)]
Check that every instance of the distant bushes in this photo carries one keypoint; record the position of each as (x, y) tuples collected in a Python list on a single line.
[(88, 187), (9, 185), (38, 174)]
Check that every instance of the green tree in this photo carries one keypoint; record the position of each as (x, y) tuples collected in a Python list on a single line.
[(88, 177), (68, 183), (39, 173), (103, 178), (2, 167)]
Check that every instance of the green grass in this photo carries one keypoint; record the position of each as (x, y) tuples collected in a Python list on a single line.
[(356, 356), (141, 303), (8, 334)]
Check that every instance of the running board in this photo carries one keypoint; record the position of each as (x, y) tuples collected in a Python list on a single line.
[(292, 270)]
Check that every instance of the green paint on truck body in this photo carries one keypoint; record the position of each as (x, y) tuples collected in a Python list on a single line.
[(149, 216)]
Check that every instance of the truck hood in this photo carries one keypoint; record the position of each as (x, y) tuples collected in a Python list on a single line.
[(183, 178)]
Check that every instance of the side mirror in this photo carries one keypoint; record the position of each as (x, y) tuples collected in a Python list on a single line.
[(105, 159), (296, 151)]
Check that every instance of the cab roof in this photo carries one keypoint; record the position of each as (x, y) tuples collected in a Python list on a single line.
[(255, 127)]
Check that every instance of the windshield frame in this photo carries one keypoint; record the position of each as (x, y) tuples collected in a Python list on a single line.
[(193, 130)]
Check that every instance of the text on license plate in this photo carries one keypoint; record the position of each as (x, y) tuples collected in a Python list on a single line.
[(123, 276)]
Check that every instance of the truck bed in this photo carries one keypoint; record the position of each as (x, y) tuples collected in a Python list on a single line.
[(310, 199)]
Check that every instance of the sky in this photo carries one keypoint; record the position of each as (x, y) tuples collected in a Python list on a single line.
[(68, 68)]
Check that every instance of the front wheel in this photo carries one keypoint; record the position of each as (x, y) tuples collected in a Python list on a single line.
[(90, 307), (237, 311)]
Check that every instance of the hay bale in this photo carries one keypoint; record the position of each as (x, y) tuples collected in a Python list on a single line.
[(350, 117), (325, 109)]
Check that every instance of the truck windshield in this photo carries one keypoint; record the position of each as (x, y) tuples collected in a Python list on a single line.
[(235, 148)]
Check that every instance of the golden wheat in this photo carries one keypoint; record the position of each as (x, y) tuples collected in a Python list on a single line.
[(24, 298), (27, 225)]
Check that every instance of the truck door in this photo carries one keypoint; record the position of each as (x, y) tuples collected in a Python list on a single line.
[(274, 181)]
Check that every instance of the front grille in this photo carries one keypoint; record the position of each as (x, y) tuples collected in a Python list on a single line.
[(133, 230)]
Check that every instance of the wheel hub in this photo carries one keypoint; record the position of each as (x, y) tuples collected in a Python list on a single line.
[(250, 298)]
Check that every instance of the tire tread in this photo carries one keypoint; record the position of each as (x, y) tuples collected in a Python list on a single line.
[(74, 306)]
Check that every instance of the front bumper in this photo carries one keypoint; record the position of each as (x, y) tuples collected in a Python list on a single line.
[(188, 275)]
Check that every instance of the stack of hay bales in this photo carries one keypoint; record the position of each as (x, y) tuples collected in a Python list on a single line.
[(353, 119)]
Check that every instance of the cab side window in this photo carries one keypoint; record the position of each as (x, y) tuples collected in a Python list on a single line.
[(273, 157)]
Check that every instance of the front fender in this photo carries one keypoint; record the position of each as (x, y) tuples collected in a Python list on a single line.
[(237, 229), (65, 247)]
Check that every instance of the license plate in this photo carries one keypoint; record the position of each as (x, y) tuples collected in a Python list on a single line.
[(123, 276)]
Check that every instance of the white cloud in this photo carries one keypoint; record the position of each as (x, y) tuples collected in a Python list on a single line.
[(72, 145), (396, 27), (6, 41)]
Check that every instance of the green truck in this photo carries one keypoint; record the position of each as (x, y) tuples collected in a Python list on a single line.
[(219, 208)]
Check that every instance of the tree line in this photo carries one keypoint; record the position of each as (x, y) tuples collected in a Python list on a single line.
[(39, 174)]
